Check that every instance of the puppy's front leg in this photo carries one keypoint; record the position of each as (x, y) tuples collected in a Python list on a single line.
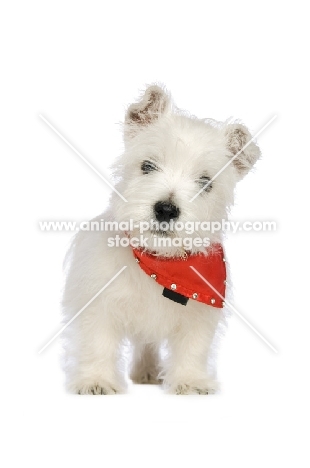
[(187, 369), (92, 346)]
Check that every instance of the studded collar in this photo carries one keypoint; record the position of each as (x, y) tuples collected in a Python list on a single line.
[(180, 282)]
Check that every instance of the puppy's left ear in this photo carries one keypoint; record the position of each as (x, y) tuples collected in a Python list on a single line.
[(244, 154)]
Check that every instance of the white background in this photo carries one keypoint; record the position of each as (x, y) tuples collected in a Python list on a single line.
[(80, 64)]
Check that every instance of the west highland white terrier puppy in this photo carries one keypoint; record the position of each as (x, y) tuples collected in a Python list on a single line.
[(177, 175)]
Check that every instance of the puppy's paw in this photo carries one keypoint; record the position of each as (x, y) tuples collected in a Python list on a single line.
[(97, 387), (145, 378), (96, 390), (199, 388)]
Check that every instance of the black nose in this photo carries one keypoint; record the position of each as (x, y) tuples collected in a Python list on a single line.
[(165, 211)]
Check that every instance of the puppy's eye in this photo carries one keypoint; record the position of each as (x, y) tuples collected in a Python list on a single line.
[(148, 166), (205, 183)]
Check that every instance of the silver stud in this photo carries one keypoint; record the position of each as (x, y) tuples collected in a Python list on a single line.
[(195, 295), (225, 282), (224, 259), (153, 276), (212, 301), (223, 303), (137, 260), (173, 286)]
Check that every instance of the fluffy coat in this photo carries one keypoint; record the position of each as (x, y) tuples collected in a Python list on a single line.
[(185, 152)]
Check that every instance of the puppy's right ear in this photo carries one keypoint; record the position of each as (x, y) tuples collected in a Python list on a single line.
[(152, 105)]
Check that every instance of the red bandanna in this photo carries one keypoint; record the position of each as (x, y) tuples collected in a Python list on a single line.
[(176, 275)]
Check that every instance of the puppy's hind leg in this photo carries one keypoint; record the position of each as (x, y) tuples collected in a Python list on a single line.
[(145, 364)]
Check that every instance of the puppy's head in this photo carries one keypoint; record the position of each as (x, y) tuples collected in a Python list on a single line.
[(177, 168)]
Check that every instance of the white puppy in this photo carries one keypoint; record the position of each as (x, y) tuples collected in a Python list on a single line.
[(158, 299)]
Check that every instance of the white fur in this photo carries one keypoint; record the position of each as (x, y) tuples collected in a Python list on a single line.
[(132, 307)]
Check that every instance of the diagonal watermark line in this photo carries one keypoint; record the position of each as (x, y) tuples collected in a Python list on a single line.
[(234, 157), (83, 308), (235, 310), (82, 157)]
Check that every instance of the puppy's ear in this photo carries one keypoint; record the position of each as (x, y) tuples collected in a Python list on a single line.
[(154, 103), (238, 137)]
